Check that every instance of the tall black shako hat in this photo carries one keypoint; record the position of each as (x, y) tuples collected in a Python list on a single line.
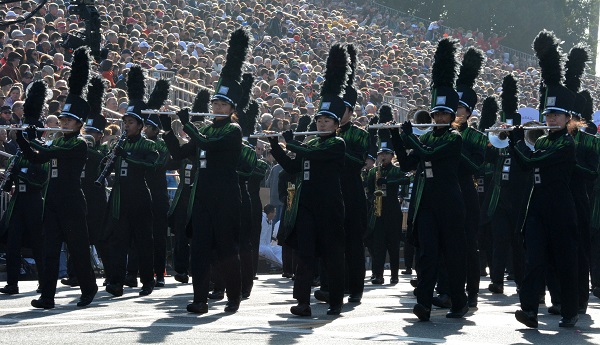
[(556, 98), (96, 122), (469, 71), (157, 99), (246, 120), (337, 71), (489, 111), (75, 106), (136, 90), (510, 101), (574, 69), (443, 74), (383, 135), (33, 108), (350, 94), (228, 88)]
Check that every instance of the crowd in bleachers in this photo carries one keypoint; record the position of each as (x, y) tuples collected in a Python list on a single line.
[(291, 41)]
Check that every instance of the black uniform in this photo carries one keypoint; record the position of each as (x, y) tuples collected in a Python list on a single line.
[(21, 223), (246, 165), (64, 210), (438, 224), (385, 231), (130, 211), (178, 210), (254, 182), (316, 218), (215, 203), (550, 225), (355, 204)]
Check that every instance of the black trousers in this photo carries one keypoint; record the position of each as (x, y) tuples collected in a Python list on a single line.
[(134, 227), (314, 239), (506, 234), (471, 200), (287, 256), (438, 234), (256, 218), (355, 227), (64, 221), (386, 239), (181, 252), (247, 252), (160, 225), (216, 227), (550, 242), (25, 223)]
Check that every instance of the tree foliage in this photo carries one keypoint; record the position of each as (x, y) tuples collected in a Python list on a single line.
[(573, 21)]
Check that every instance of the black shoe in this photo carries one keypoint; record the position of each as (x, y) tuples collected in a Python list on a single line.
[(182, 278), (115, 290), (457, 314), (414, 282), (255, 278), (245, 295), (105, 282), (232, 306), (131, 281), (596, 291), (301, 310), (355, 297), (378, 281), (38, 290), (394, 280), (10, 289), (287, 275), (422, 312), (472, 298), (160, 282), (316, 282), (407, 271), (510, 276), (216, 295), (70, 281), (442, 301), (528, 318), (483, 272), (197, 308), (322, 296), (554, 309), (334, 310), (147, 289), (87, 298), (42, 303), (568, 322), (496, 288), (542, 299)]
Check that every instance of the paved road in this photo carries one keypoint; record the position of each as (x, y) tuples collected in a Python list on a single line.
[(385, 315)]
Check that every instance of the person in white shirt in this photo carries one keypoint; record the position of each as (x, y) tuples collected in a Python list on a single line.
[(268, 247)]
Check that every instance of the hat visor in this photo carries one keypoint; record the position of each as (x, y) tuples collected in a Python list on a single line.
[(222, 98), (549, 110), (385, 151), (134, 115), (443, 109), (92, 129), (71, 115), (327, 114)]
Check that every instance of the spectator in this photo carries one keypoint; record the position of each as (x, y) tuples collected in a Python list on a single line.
[(11, 68)]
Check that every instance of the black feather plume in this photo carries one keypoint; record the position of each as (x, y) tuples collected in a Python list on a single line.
[(236, 55), (542, 97), (247, 81), (303, 123), (489, 112), (351, 49), (95, 95), (34, 103), (201, 101), (385, 114), (510, 102), (471, 66), (445, 65), (80, 71), (336, 71), (159, 95), (575, 66), (136, 87), (547, 49), (247, 118)]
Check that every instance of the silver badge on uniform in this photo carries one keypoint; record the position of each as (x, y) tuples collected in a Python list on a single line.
[(22, 188), (203, 164), (306, 165), (123, 172), (441, 100), (54, 163), (54, 173), (306, 175), (202, 154), (187, 181), (551, 101)]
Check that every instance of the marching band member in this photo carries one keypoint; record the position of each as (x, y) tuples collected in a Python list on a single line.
[(550, 224), (434, 156), (314, 222), (65, 205), (22, 220)]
